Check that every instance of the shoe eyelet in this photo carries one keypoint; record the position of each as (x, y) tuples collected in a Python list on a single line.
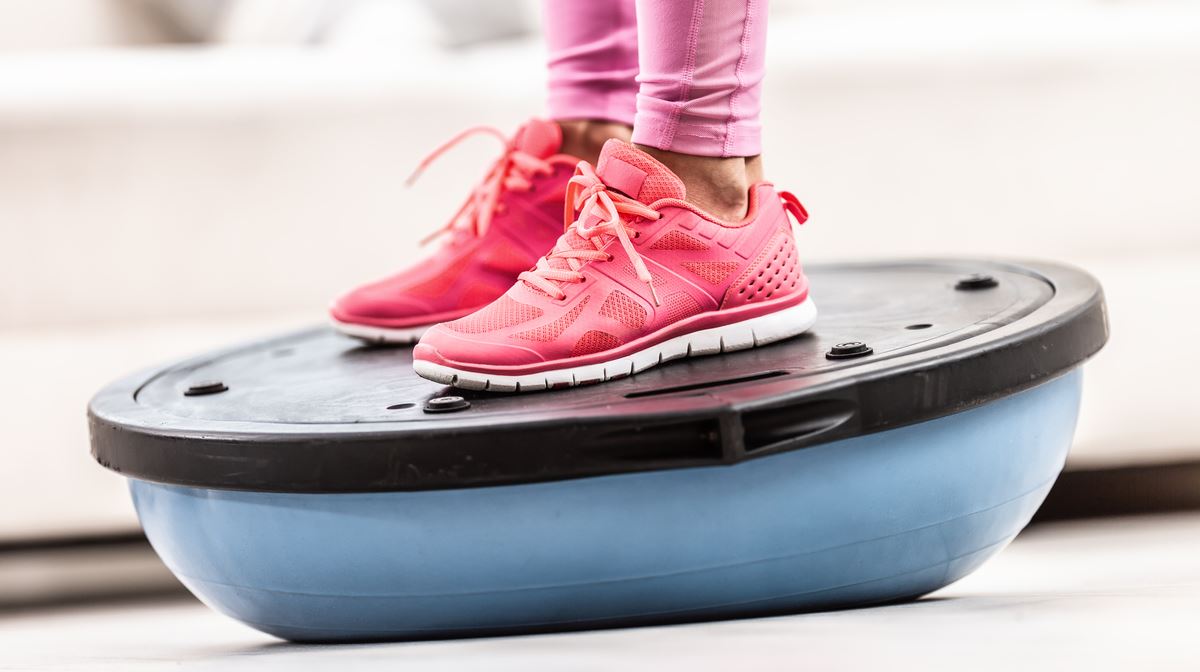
[(610, 257)]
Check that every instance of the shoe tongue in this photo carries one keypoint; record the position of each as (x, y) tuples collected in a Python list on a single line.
[(637, 174), (539, 137)]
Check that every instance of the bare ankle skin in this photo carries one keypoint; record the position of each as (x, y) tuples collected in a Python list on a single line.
[(584, 137), (754, 169), (718, 185)]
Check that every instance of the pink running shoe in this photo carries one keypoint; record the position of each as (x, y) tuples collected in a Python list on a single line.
[(641, 277), (510, 219)]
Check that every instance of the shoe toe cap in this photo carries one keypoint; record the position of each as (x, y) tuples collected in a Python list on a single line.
[(441, 345), (378, 304)]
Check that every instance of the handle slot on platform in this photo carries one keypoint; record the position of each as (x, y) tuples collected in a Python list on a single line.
[(781, 428)]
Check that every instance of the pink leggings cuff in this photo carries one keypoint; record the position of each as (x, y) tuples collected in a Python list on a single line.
[(593, 59), (662, 126), (591, 101), (687, 74)]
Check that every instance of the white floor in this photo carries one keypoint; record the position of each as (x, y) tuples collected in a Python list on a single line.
[(1105, 595)]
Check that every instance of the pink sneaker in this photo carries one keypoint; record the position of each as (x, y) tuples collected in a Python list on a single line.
[(508, 221), (632, 283)]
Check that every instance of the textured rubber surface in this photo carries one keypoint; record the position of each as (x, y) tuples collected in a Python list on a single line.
[(316, 412), (869, 519)]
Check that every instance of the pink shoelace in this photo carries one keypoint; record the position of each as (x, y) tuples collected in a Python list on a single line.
[(513, 171), (582, 243)]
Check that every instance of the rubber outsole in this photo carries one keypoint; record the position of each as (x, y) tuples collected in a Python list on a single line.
[(742, 335), (382, 335)]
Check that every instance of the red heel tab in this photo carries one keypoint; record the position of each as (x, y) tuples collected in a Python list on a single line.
[(793, 205)]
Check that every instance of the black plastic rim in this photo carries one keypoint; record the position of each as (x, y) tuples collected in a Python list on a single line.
[(316, 412)]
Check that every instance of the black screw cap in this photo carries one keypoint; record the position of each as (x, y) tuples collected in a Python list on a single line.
[(976, 281), (446, 404), (204, 387), (849, 350)]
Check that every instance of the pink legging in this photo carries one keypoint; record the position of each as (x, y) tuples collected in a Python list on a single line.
[(687, 74)]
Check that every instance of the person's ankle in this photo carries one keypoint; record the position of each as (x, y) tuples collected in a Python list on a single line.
[(718, 185), (754, 169), (583, 138)]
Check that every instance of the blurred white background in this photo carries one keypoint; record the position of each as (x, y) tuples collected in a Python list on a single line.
[(176, 175)]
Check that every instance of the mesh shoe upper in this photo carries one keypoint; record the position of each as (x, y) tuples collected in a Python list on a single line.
[(484, 248), (700, 272)]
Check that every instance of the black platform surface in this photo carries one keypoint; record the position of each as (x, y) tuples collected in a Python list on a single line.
[(315, 411)]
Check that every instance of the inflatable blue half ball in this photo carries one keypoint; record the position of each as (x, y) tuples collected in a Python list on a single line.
[(317, 490)]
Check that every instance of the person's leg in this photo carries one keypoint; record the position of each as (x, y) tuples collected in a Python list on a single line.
[(700, 87), (593, 65)]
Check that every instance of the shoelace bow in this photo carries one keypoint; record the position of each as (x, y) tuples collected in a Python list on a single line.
[(588, 195), (514, 170)]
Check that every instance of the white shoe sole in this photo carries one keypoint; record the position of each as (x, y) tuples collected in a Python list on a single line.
[(405, 336), (742, 335)]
